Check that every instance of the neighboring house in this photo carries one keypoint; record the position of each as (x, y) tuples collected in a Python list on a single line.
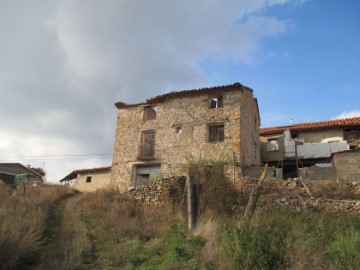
[(11, 173), (88, 179), (308, 144), (156, 137)]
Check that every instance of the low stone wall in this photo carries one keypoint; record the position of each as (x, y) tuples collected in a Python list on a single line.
[(159, 192), (318, 173), (348, 165)]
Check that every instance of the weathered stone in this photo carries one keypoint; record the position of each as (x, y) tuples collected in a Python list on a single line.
[(181, 129)]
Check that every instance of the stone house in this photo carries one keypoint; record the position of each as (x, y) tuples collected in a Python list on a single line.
[(156, 137), (10, 173), (88, 180), (295, 148)]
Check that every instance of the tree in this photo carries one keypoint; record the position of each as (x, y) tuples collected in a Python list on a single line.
[(40, 171)]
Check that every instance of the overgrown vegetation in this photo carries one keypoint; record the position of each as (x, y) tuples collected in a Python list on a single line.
[(23, 219), (55, 228)]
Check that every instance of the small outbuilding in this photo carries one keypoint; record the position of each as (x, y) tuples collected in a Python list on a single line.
[(13, 173), (88, 180)]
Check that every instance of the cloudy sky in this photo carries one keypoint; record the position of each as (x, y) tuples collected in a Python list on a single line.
[(64, 63)]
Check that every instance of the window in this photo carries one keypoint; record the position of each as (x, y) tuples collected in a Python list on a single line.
[(216, 133), (272, 145), (178, 130), (147, 148), (216, 102), (88, 179), (149, 113)]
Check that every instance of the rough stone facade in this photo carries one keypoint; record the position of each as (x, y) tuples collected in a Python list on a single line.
[(348, 165), (186, 125), (159, 192)]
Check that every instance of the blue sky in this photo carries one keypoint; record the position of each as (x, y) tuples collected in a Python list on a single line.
[(309, 73), (64, 63)]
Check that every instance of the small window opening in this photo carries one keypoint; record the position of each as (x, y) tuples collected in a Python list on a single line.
[(272, 145), (216, 102), (88, 179), (178, 130), (274, 173), (149, 113), (216, 133)]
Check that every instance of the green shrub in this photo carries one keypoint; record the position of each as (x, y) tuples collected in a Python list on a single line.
[(216, 194), (252, 246), (344, 250)]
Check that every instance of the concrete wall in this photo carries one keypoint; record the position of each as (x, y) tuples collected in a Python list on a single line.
[(98, 181), (272, 155), (348, 165), (272, 173), (319, 150), (318, 173), (193, 115)]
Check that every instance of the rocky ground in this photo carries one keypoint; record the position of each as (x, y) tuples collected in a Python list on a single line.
[(327, 196)]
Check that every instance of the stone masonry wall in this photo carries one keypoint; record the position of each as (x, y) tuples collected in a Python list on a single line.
[(193, 115), (160, 192), (249, 131), (348, 165)]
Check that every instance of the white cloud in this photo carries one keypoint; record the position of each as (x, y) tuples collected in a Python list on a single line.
[(65, 63), (349, 114)]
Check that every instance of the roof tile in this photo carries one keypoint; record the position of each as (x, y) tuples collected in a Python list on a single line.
[(347, 122)]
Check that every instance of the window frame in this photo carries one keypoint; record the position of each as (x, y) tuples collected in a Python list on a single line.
[(216, 102), (217, 135)]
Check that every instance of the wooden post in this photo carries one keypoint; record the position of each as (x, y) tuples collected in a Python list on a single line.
[(190, 194), (254, 194), (297, 161)]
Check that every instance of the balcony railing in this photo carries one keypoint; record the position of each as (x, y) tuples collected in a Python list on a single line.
[(147, 151)]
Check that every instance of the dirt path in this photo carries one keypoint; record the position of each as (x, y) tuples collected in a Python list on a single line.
[(66, 235)]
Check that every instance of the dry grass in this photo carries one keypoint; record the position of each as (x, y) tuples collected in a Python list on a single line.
[(211, 252), (23, 222), (120, 228), (70, 243), (334, 190)]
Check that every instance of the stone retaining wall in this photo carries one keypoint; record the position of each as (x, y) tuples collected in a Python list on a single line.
[(159, 192), (348, 165)]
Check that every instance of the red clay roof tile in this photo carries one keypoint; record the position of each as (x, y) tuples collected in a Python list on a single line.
[(311, 125)]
